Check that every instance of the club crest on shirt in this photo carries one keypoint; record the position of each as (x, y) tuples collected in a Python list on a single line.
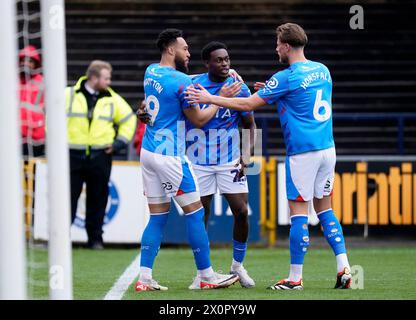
[(153, 73), (272, 83)]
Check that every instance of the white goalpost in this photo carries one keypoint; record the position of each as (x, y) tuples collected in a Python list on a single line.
[(13, 263), (54, 62), (12, 249)]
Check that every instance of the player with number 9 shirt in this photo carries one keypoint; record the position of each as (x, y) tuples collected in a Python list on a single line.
[(166, 170)]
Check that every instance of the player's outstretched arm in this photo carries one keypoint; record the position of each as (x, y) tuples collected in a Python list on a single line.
[(259, 85), (199, 117), (202, 96), (232, 73)]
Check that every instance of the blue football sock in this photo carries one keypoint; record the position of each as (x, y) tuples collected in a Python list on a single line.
[(299, 238), (151, 239), (239, 250), (198, 238), (332, 231)]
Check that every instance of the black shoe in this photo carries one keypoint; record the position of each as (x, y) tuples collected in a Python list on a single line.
[(96, 245)]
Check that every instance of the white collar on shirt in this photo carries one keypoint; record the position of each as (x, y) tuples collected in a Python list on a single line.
[(89, 89)]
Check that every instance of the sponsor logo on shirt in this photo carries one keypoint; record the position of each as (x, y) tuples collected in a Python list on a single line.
[(272, 83)]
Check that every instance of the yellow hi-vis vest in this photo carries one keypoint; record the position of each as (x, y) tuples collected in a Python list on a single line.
[(109, 111)]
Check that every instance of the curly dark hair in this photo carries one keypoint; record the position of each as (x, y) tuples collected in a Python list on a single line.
[(212, 46), (167, 37)]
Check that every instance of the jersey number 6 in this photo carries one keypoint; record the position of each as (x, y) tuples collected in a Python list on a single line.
[(319, 104)]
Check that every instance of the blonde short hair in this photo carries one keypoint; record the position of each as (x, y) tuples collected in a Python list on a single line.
[(95, 67)]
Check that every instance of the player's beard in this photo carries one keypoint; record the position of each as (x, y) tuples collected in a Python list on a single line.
[(180, 65)]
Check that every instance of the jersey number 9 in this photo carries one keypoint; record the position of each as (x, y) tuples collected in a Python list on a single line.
[(153, 111)]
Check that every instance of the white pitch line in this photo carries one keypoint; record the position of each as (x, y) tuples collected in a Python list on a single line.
[(120, 287)]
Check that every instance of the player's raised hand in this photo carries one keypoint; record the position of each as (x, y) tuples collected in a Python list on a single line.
[(235, 75), (197, 95), (259, 85), (231, 90), (241, 165), (142, 114), (142, 104)]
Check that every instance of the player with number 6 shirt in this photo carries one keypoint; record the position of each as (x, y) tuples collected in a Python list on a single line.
[(302, 93)]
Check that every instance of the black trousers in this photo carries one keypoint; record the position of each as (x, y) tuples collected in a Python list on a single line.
[(94, 170), (32, 150)]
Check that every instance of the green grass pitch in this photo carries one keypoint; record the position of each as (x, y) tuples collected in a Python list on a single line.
[(96, 271)]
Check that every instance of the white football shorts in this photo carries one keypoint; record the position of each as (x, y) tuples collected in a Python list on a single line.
[(224, 177), (310, 174), (167, 175)]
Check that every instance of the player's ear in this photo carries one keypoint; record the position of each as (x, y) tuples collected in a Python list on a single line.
[(93, 79), (206, 63), (171, 50)]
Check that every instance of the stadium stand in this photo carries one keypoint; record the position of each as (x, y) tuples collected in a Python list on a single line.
[(373, 70)]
